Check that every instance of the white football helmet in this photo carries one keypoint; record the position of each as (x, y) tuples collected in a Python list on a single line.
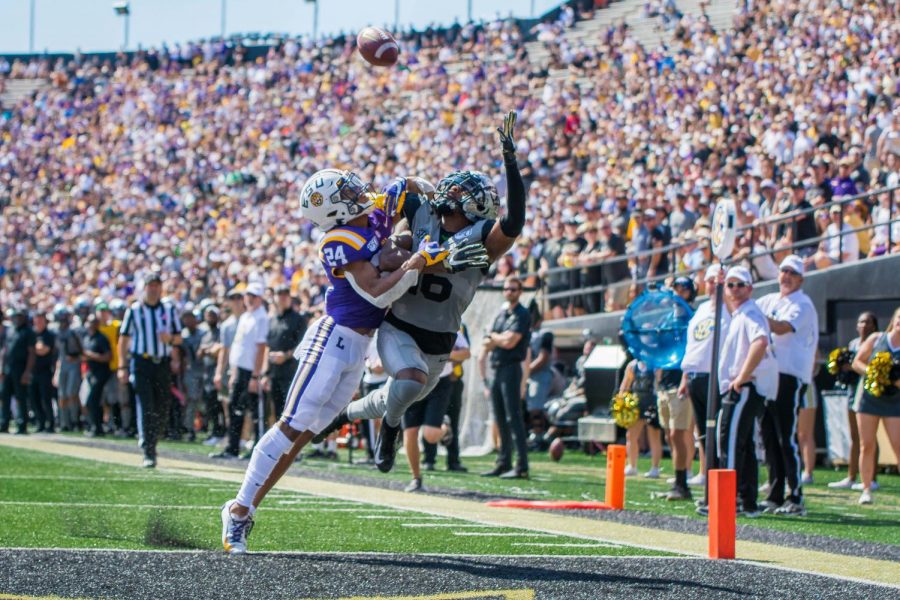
[(332, 197)]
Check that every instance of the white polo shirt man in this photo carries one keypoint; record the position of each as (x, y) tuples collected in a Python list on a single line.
[(252, 330), (794, 323), (747, 376)]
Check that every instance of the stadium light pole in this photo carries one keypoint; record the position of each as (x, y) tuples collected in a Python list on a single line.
[(396, 14), (222, 27), (315, 4), (123, 9), (31, 28), (469, 3)]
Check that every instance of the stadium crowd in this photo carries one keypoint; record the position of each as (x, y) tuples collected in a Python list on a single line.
[(188, 158)]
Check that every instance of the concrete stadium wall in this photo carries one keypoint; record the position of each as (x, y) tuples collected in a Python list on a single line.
[(838, 293), (874, 279)]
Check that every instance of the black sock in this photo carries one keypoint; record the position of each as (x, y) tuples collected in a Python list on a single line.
[(681, 477)]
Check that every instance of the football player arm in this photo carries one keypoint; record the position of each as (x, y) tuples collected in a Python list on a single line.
[(382, 291), (508, 228), (505, 231)]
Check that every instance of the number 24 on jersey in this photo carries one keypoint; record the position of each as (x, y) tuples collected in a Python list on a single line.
[(335, 256)]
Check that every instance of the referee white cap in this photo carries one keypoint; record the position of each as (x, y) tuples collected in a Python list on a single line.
[(739, 273), (792, 262)]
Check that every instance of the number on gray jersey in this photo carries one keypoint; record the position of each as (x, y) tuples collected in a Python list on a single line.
[(439, 300)]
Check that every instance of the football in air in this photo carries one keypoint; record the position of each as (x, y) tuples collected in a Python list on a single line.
[(378, 47)]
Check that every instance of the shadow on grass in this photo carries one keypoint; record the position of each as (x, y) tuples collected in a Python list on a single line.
[(161, 532)]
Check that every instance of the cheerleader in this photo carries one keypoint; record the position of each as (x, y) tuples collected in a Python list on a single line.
[(639, 380)]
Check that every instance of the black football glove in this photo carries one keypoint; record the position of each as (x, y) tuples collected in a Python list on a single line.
[(507, 139), (467, 256)]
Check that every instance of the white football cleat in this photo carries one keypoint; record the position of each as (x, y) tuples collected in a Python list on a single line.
[(698, 480), (235, 531)]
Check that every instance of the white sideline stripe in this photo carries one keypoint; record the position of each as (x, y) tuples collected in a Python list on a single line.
[(502, 534), (425, 554), (313, 500), (565, 545), (417, 517), (184, 506), (460, 525)]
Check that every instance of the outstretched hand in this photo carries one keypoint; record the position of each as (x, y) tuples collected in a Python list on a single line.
[(467, 256), (507, 135)]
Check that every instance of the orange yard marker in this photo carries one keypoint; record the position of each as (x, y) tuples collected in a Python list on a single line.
[(615, 476), (722, 491)]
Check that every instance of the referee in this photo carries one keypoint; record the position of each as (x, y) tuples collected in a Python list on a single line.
[(746, 379), (795, 336), (149, 331)]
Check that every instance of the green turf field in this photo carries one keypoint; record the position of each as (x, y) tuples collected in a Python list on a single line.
[(833, 513), (62, 502)]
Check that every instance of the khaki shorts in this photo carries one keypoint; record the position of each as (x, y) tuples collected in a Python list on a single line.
[(674, 412)]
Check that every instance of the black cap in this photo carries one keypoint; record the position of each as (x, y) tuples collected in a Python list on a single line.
[(282, 289), (797, 184), (152, 277)]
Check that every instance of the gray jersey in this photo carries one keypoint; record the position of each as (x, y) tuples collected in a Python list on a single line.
[(439, 300)]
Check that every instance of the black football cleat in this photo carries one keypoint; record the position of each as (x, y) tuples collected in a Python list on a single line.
[(338, 422), (386, 446)]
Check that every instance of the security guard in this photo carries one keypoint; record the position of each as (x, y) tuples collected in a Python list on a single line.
[(149, 331), (286, 329), (18, 367), (747, 377), (508, 343), (795, 332)]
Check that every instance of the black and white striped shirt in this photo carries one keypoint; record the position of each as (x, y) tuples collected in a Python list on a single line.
[(144, 323)]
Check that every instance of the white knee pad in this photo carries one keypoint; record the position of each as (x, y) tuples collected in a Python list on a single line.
[(265, 456)]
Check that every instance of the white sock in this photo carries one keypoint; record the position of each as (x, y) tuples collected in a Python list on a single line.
[(265, 456)]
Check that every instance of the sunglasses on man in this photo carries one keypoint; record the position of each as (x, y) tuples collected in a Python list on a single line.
[(736, 284)]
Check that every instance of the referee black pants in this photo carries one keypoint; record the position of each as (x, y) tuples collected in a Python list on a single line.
[(152, 396), (779, 433), (42, 399), (239, 403), (506, 396), (736, 448)]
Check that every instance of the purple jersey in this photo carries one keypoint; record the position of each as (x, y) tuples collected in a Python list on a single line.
[(337, 249)]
